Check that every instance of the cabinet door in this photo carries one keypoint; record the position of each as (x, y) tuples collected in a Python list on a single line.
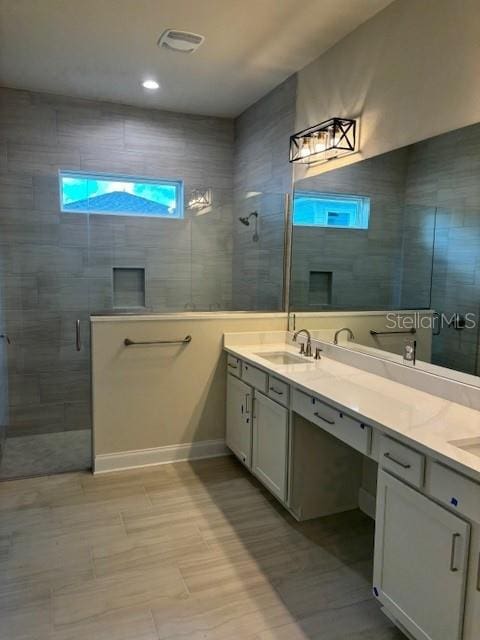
[(270, 433), (471, 629), (420, 561), (239, 419)]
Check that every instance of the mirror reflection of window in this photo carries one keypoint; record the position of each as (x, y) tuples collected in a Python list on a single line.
[(331, 210)]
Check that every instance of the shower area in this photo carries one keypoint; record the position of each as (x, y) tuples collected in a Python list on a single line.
[(218, 248)]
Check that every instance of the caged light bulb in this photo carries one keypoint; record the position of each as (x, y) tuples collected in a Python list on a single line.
[(305, 149)]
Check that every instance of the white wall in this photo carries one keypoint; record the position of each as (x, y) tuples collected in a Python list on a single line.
[(409, 73), (148, 397)]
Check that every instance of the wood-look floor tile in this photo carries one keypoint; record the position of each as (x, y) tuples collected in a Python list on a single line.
[(222, 615), (5, 543), (49, 561), (211, 574), (270, 558), (105, 595), (221, 493), (219, 620), (361, 621), (191, 550), (21, 522), (50, 485), (26, 623), (135, 552), (74, 527), (25, 592), (155, 520), (309, 590), (127, 624)]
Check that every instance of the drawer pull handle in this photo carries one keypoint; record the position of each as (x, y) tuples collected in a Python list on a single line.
[(455, 537), (247, 408), (478, 574), (317, 415), (400, 464), (280, 393), (232, 366)]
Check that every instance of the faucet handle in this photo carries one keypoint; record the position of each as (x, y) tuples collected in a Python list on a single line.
[(302, 348), (317, 355)]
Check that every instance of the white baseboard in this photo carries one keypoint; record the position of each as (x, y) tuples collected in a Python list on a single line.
[(122, 460), (367, 503)]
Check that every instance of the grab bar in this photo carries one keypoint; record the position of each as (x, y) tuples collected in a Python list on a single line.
[(387, 333), (127, 342)]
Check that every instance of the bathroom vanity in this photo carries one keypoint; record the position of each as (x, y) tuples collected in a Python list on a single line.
[(303, 427)]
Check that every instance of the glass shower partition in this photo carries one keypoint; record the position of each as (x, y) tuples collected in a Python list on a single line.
[(259, 251), (455, 289), (45, 283)]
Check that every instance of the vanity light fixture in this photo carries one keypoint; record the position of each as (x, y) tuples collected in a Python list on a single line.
[(324, 141), (200, 198)]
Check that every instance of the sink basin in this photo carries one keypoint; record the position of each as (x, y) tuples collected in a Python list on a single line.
[(282, 357), (470, 445)]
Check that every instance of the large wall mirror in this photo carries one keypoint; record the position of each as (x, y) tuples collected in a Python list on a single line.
[(400, 231)]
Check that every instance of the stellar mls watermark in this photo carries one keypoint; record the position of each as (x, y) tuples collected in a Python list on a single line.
[(433, 321)]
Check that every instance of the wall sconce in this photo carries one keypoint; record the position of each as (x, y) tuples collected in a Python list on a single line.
[(322, 142), (200, 198)]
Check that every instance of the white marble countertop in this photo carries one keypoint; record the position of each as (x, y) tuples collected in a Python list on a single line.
[(423, 421)]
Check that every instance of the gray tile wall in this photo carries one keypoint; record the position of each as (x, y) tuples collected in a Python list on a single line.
[(443, 187), (262, 176), (57, 267), (365, 264), (4, 412)]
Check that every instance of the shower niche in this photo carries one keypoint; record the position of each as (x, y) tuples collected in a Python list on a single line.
[(129, 287)]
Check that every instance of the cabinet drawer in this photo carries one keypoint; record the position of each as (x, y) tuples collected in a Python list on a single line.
[(234, 365), (278, 390), (314, 410), (402, 461), (254, 377), (357, 435), (454, 490)]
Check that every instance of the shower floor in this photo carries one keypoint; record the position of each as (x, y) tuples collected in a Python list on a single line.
[(46, 453)]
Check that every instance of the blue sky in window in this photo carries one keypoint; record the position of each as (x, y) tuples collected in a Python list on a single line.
[(74, 189)]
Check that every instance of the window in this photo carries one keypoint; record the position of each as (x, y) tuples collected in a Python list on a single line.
[(331, 210), (120, 195)]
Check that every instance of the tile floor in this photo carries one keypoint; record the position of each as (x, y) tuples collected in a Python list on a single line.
[(46, 453), (186, 551)]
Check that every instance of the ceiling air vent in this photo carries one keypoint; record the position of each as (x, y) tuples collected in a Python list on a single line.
[(183, 41)]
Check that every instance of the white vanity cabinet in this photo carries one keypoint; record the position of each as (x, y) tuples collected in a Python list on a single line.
[(421, 560), (471, 629), (461, 494), (309, 453), (270, 444), (239, 419)]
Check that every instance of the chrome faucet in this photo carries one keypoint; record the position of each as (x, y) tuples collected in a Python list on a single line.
[(350, 334), (305, 349)]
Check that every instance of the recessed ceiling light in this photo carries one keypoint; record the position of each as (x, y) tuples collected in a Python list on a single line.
[(150, 84)]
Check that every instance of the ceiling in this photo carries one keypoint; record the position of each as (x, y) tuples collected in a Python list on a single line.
[(103, 49)]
